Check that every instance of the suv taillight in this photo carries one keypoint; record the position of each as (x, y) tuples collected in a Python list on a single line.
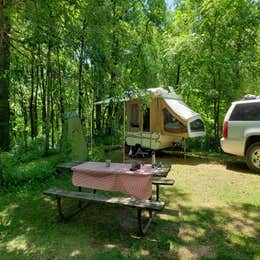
[(225, 129)]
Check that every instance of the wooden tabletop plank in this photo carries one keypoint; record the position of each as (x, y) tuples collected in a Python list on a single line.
[(67, 165)]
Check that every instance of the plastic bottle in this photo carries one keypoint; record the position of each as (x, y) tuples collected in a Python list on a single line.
[(153, 159)]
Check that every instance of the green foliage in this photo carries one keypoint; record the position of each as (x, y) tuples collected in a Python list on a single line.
[(26, 174), (213, 45), (115, 138), (66, 151), (34, 149), (212, 212), (67, 55), (97, 154), (203, 144)]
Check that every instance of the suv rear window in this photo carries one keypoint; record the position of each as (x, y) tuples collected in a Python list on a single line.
[(246, 112)]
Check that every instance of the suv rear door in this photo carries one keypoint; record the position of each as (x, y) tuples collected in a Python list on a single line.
[(244, 116)]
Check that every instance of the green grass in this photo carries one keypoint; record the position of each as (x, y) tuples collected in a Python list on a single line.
[(212, 212), (20, 175)]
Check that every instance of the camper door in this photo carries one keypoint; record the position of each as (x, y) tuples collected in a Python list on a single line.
[(134, 116)]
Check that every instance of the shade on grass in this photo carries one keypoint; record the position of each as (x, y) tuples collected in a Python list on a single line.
[(212, 211)]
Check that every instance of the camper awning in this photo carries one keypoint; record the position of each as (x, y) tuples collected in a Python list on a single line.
[(110, 100), (137, 93)]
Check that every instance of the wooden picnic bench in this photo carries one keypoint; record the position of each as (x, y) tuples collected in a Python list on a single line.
[(140, 205), (158, 181), (66, 165)]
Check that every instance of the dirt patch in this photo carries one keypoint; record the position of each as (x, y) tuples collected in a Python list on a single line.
[(196, 252)]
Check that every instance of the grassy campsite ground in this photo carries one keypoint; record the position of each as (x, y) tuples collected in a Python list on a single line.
[(212, 212)]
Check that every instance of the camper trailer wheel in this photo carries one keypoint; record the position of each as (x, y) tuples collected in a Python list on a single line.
[(131, 151), (140, 151)]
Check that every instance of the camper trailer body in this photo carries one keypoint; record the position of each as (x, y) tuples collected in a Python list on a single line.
[(159, 118)]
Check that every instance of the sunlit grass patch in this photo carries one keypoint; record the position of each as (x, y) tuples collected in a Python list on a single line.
[(210, 212)]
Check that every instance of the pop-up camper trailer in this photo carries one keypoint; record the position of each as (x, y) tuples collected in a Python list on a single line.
[(158, 118)]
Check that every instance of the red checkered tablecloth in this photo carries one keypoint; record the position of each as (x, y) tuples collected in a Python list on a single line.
[(117, 177)]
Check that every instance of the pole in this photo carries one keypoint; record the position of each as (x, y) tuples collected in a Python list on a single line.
[(184, 144), (124, 134), (1, 173), (91, 127)]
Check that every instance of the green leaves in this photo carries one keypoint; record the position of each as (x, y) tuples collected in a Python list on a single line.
[(214, 42), (86, 51)]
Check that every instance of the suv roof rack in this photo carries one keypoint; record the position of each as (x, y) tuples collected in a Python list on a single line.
[(250, 97)]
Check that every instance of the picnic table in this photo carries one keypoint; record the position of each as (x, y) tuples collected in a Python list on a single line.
[(117, 177)]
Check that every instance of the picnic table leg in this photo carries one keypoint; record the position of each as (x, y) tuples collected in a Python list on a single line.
[(59, 207), (79, 203), (151, 213), (67, 217), (157, 192), (143, 229)]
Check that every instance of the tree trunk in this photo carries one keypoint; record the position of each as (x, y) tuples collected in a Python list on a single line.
[(80, 87), (36, 102), (52, 116), (113, 73), (98, 111), (61, 96), (32, 115), (25, 118), (217, 109), (214, 84), (178, 75), (4, 78), (48, 100), (1, 173), (43, 99), (52, 123)]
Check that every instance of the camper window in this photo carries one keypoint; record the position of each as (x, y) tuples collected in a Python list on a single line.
[(171, 124), (134, 122), (197, 126), (146, 120)]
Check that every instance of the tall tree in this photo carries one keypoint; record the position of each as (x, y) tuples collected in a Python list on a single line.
[(65, 55), (4, 76), (215, 41)]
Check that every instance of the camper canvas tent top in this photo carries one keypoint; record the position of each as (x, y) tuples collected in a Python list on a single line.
[(158, 118)]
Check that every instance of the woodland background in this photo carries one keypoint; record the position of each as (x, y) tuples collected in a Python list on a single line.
[(58, 56), (61, 56)]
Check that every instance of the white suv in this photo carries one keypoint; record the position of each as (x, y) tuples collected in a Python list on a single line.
[(241, 131)]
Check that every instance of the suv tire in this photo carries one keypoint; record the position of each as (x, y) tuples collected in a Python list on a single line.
[(253, 157)]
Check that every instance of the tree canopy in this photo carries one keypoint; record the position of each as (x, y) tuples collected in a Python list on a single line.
[(59, 56)]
